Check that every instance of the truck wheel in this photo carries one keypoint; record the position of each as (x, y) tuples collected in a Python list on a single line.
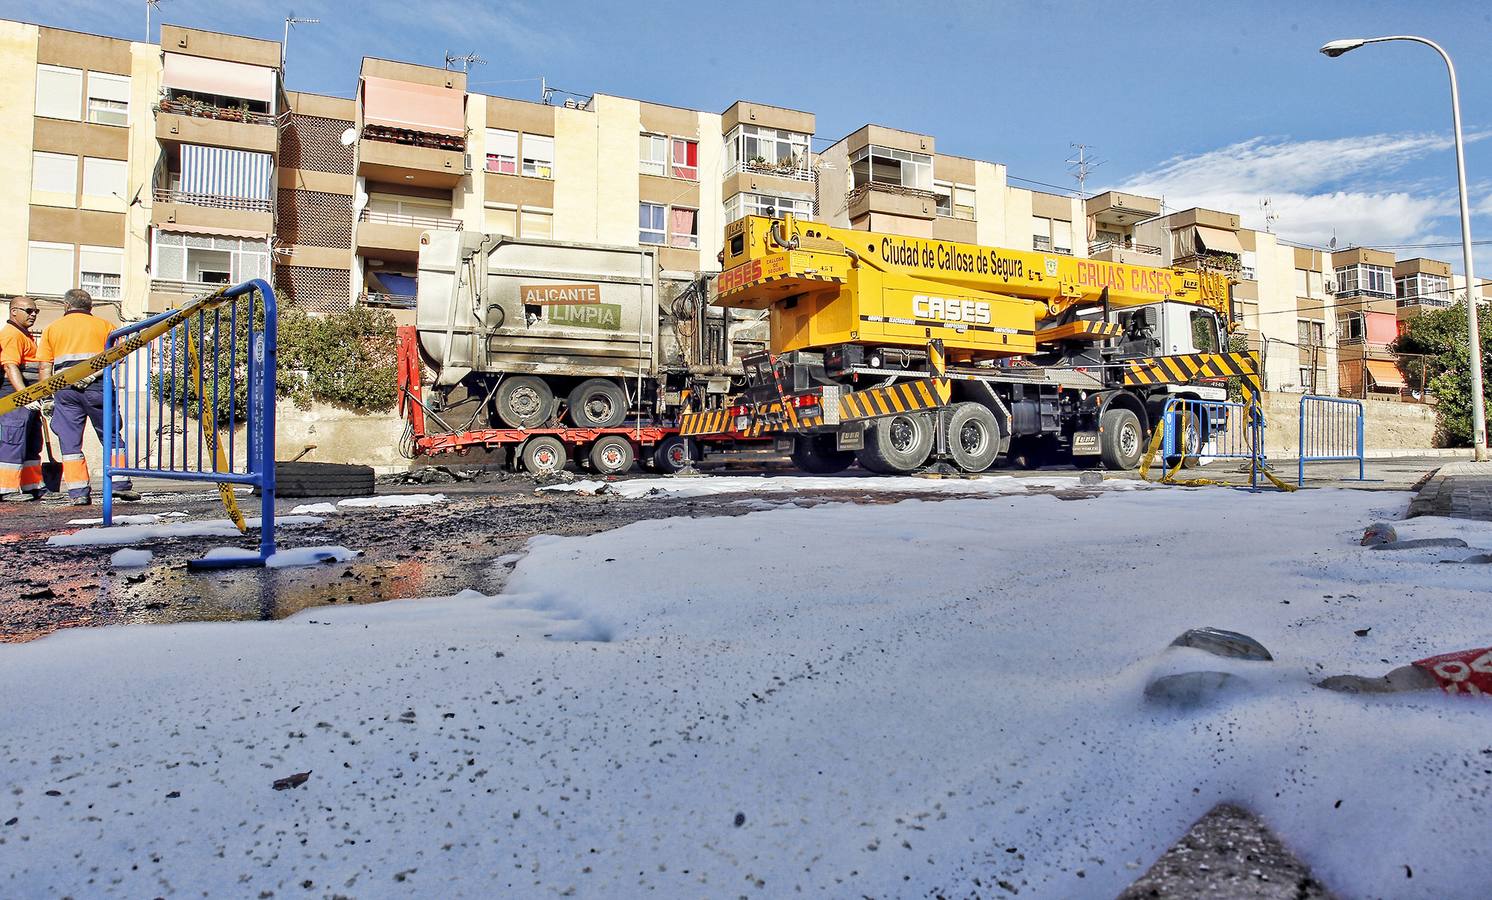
[(524, 401), (973, 436), (543, 455), (817, 455), (598, 403), (897, 444), (1191, 440), (1121, 440), (673, 452), (611, 455)]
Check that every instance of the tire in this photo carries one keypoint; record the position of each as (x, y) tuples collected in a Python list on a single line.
[(598, 403), (611, 455), (1121, 440), (1191, 441), (673, 452), (313, 479), (543, 455), (973, 436), (524, 401), (896, 445), (817, 455)]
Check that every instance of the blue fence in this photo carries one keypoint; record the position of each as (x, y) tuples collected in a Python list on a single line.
[(1331, 430), (1196, 430), (181, 398)]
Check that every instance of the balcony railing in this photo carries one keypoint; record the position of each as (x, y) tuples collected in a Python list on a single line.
[(1100, 246), (414, 138), (216, 201), (429, 223), (1438, 302), (189, 288), (203, 110), (391, 301), (795, 171)]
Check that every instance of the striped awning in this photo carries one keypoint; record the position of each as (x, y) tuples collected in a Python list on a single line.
[(217, 172)]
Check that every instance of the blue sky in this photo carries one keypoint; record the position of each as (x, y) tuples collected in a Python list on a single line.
[(1220, 104)]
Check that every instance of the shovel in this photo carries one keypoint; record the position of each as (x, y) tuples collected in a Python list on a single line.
[(51, 470)]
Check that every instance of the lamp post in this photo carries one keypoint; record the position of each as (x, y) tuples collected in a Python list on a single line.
[(1478, 403)]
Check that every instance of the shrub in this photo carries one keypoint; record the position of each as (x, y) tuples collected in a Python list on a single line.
[(1434, 351), (345, 359)]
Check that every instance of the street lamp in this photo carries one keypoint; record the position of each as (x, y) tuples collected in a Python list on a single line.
[(1478, 403)]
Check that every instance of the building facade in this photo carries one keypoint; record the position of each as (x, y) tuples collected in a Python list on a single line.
[(147, 173)]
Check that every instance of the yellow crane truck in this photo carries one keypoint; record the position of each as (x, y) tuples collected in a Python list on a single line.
[(898, 352)]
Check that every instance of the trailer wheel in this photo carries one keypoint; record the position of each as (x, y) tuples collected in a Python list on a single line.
[(1121, 440), (673, 452), (611, 455), (973, 436), (817, 455), (543, 455), (897, 444), (524, 401), (598, 403)]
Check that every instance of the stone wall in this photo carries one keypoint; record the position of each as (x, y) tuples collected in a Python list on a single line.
[(1388, 425)]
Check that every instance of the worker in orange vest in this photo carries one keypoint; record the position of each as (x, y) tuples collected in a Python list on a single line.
[(77, 336), (20, 429)]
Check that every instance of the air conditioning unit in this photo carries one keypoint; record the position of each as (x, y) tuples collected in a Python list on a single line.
[(1329, 286)]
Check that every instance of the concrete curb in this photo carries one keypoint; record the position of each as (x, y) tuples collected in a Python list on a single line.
[(1459, 489)]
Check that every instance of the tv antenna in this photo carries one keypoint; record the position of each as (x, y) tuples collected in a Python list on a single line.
[(1270, 216), (467, 61), (150, 5), (1081, 166), (290, 22)]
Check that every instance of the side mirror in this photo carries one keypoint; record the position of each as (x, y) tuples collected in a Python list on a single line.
[(1150, 317)]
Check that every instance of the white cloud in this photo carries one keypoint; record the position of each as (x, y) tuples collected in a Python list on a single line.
[(1316, 187)]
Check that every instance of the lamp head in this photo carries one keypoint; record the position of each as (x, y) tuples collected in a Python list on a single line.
[(1337, 48)]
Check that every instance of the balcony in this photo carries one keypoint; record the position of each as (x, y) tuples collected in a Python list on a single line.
[(892, 199), (168, 294), (1115, 208), (240, 216), (402, 156), (387, 301), (199, 122), (385, 232), (1124, 252), (792, 169)]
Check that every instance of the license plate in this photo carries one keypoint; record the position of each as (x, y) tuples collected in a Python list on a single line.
[(1085, 443)]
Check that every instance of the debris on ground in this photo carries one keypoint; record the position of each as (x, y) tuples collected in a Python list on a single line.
[(445, 475), (1379, 533), (1466, 672), (291, 781)]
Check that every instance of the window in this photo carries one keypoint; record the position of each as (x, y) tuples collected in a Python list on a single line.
[(1041, 234), (1351, 329), (537, 223), (1248, 263), (650, 228), (395, 209), (943, 192), (686, 159), (49, 268), (500, 219), (55, 176), (1364, 279), (1310, 333), (764, 205), (883, 165), (99, 271), (59, 92), (653, 153), (1062, 237), (683, 228), (502, 152), (104, 178), (1423, 289), (1204, 331), (772, 150), (108, 99), (207, 259), (963, 202), (538, 156)]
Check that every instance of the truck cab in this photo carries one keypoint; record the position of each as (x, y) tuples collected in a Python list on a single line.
[(1168, 329)]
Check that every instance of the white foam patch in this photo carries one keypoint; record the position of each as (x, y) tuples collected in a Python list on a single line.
[(131, 559), (314, 509), (284, 559), (712, 485), (827, 702), (390, 501), (117, 535)]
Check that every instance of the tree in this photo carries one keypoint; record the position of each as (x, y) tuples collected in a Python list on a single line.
[(1433, 351)]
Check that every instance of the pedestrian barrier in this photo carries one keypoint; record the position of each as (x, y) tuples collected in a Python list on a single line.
[(1331, 430), (1192, 430), (183, 385)]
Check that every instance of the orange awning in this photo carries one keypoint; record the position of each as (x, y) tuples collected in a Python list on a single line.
[(416, 107), (1385, 374)]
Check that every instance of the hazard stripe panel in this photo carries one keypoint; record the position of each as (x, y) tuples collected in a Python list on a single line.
[(1184, 368), (912, 396)]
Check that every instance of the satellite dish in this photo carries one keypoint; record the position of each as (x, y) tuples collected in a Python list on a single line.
[(349, 137), (359, 201), (1333, 243)]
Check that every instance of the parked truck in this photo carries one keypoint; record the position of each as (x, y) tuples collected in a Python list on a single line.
[(899, 351), (552, 350)]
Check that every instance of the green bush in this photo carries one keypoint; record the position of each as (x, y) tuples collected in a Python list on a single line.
[(345, 359), (1434, 351)]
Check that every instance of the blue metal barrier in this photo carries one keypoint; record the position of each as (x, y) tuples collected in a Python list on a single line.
[(1331, 430), (205, 377), (1212, 429)]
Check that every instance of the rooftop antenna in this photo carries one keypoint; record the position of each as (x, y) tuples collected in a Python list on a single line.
[(545, 91), (467, 61), (1270, 216), (290, 22), (1081, 166), (149, 5)]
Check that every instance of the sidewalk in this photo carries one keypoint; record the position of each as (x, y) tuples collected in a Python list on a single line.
[(1462, 489)]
